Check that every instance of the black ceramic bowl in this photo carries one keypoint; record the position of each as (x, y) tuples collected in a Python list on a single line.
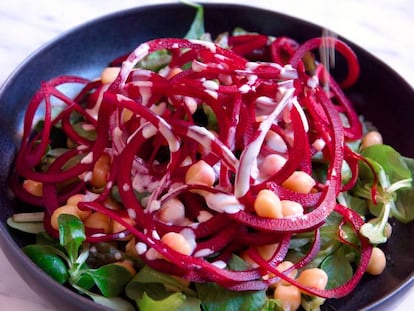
[(381, 95)]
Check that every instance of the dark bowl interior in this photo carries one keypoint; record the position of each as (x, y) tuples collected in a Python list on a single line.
[(380, 95)]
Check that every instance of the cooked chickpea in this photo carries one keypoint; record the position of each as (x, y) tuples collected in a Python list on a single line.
[(109, 74), (177, 242), (98, 221), (313, 278), (371, 138), (289, 297), (291, 208), (118, 227), (377, 262), (283, 266), (249, 260), (173, 71), (126, 115), (172, 211), (275, 142), (67, 209), (267, 204), (111, 203), (101, 171), (130, 248), (200, 173), (271, 164), (267, 251), (75, 199), (33, 187), (300, 182)]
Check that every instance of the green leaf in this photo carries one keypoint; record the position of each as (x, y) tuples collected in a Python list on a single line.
[(71, 235), (115, 303), (357, 204), (171, 303), (196, 30), (216, 298), (394, 175), (148, 278), (46, 258), (390, 160), (272, 305), (84, 281), (238, 264), (89, 134), (110, 279), (44, 238), (29, 227), (312, 303), (212, 123), (404, 206), (375, 230), (155, 61), (338, 268), (190, 304)]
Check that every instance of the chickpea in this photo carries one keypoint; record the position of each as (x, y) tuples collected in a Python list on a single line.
[(75, 199), (111, 203), (33, 187), (101, 171), (275, 142), (283, 266), (371, 138), (300, 182), (249, 260), (314, 278), (172, 211), (177, 242), (200, 173), (267, 251), (67, 209), (289, 297), (173, 71), (271, 164), (98, 221), (291, 208), (267, 204), (126, 115), (109, 74), (118, 227), (377, 262), (130, 248)]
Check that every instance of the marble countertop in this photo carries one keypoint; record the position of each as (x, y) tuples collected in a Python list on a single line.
[(383, 27)]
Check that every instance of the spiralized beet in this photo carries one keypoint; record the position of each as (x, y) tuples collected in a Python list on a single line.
[(153, 149)]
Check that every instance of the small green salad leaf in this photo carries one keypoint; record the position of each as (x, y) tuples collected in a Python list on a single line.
[(66, 262), (217, 298), (196, 30), (47, 258), (153, 290), (71, 234), (110, 279), (384, 165), (170, 303)]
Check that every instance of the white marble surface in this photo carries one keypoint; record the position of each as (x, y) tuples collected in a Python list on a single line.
[(383, 27)]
